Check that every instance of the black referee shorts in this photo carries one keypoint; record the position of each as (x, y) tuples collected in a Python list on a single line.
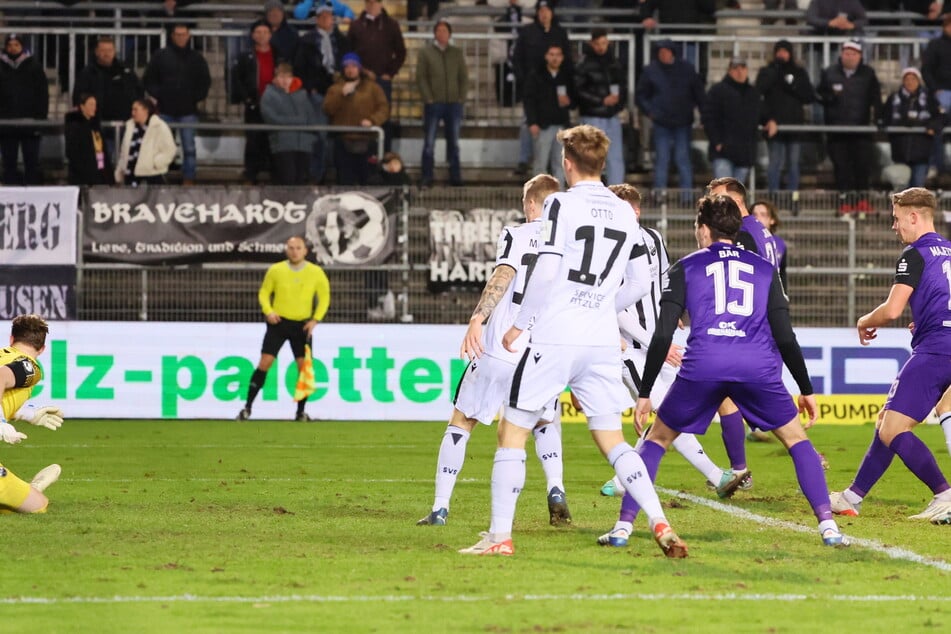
[(285, 330)]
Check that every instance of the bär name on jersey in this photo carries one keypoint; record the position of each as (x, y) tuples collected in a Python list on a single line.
[(729, 253)]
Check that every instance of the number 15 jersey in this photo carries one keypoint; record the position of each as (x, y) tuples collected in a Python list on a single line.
[(596, 234), (728, 293)]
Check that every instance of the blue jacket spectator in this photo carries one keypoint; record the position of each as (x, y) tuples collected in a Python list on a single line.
[(305, 9), (668, 93)]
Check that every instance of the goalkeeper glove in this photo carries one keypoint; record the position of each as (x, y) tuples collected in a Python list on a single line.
[(9, 433), (49, 416)]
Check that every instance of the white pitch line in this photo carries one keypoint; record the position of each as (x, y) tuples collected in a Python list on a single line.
[(894, 552), (317, 598)]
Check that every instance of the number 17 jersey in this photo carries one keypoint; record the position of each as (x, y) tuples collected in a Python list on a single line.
[(596, 234)]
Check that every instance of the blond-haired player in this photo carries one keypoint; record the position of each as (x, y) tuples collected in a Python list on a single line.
[(487, 381)]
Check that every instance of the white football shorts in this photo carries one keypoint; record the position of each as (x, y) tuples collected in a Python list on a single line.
[(544, 370), (484, 389), (634, 360)]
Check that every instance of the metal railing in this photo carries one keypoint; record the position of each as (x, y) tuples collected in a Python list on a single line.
[(838, 268)]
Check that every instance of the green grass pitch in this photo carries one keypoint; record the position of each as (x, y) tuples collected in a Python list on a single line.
[(196, 526)]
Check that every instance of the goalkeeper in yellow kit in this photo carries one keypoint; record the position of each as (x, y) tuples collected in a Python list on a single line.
[(19, 374), (294, 297)]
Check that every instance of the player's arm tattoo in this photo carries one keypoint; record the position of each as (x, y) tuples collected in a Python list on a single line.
[(494, 290)]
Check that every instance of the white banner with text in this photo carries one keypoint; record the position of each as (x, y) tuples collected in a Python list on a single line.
[(38, 225), (379, 372)]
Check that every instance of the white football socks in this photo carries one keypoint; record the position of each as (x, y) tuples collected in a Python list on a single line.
[(452, 455), (632, 472), (852, 497), (548, 450), (689, 447), (945, 421), (508, 478)]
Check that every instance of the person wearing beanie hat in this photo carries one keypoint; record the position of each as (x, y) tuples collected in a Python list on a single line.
[(284, 37), (24, 94), (668, 92), (319, 58), (443, 80), (786, 89), (912, 105), (849, 91), (304, 9), (936, 70), (355, 100), (250, 77)]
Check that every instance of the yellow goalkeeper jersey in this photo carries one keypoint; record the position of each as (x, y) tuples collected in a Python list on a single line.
[(290, 293), (15, 397)]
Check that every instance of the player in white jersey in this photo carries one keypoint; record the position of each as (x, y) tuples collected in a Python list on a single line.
[(485, 385), (637, 324), (587, 269)]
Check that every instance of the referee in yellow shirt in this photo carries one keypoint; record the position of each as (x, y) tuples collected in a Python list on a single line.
[(287, 297)]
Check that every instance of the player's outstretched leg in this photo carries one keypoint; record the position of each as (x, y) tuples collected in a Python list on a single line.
[(812, 482), (734, 437), (452, 456), (688, 446), (631, 467), (878, 457), (921, 462)]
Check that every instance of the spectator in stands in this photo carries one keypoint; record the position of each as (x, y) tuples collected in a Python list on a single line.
[(24, 94), (251, 76), (338, 9), (284, 37), (836, 17), (318, 60), (667, 93), (355, 100), (936, 69), (114, 85), (673, 16), (443, 81), (376, 38), (392, 173), (501, 53), (549, 97), (786, 89), (601, 86), (177, 77), (850, 92), (285, 103), (528, 53), (147, 149), (88, 161), (414, 10), (731, 114), (912, 105)]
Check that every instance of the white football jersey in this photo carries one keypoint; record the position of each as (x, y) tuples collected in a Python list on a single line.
[(517, 247), (596, 234), (646, 310)]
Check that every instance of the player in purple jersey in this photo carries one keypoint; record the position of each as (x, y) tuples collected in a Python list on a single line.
[(923, 281), (755, 237), (737, 310)]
